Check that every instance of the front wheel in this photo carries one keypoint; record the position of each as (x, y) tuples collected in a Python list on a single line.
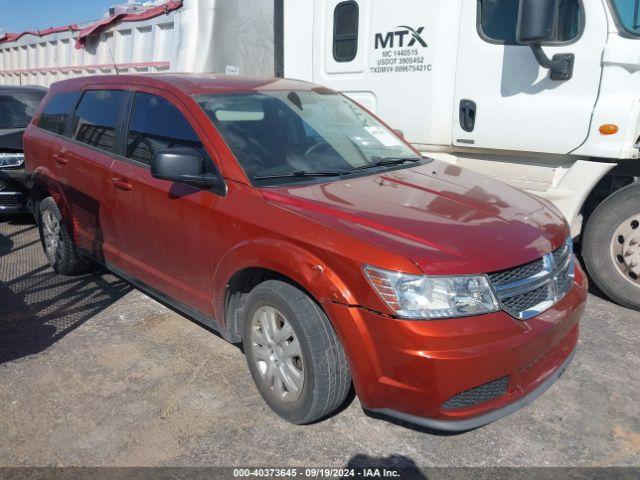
[(611, 246), (295, 357)]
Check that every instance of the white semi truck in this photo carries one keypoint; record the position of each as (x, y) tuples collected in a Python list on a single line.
[(542, 94)]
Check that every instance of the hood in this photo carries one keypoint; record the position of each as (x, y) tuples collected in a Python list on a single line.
[(446, 219), (11, 139)]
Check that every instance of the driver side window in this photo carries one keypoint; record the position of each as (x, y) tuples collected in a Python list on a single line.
[(155, 125)]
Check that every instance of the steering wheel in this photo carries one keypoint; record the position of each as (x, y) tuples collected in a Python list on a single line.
[(315, 146)]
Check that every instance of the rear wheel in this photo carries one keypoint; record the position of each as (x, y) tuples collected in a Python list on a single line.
[(611, 246), (56, 241), (295, 357)]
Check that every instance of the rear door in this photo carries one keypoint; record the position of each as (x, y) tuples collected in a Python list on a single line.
[(87, 161), (164, 229), (515, 103)]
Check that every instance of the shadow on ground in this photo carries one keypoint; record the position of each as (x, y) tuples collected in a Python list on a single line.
[(37, 306), (384, 467)]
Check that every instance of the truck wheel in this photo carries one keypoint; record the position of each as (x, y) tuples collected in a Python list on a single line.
[(295, 357), (56, 241), (611, 246)]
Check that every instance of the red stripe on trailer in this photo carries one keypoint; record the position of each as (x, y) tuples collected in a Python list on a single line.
[(99, 26), (102, 25), (12, 37)]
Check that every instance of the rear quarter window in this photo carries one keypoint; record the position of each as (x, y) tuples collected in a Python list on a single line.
[(56, 112)]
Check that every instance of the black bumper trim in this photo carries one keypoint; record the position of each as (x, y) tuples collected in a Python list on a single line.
[(472, 423)]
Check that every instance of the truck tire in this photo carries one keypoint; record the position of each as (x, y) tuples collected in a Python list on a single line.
[(295, 357), (611, 246), (56, 241)]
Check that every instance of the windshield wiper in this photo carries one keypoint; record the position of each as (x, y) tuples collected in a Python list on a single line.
[(302, 174), (386, 161)]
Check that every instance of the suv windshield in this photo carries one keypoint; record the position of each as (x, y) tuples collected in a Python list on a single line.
[(16, 109), (629, 15), (281, 136)]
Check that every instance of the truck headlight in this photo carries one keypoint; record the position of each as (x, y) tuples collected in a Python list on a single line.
[(9, 160), (426, 297)]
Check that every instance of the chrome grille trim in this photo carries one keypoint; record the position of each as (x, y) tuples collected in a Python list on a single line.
[(556, 276)]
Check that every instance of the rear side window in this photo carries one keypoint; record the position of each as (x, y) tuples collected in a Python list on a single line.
[(96, 118), (498, 20), (345, 31), (57, 111), (155, 125)]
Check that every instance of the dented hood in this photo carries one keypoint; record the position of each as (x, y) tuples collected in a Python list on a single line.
[(446, 219)]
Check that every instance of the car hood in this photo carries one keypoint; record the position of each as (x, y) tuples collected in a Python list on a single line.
[(446, 219), (11, 139)]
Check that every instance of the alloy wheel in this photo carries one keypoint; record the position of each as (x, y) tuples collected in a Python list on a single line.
[(277, 354)]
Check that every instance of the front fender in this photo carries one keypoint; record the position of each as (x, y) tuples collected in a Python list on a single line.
[(285, 258)]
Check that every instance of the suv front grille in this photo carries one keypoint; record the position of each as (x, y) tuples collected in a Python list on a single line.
[(11, 200), (478, 395), (519, 273), (528, 290)]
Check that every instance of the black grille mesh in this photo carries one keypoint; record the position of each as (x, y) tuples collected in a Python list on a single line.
[(511, 275), (13, 201), (527, 300), (478, 395)]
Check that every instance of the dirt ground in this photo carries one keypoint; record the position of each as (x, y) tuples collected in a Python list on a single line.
[(95, 373)]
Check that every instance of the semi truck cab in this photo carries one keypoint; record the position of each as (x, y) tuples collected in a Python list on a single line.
[(541, 94)]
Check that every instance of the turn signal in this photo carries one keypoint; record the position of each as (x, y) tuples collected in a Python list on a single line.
[(608, 129)]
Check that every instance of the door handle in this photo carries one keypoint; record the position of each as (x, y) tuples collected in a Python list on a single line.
[(468, 115), (60, 160), (121, 183)]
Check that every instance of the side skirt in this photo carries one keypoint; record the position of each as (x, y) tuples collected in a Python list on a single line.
[(180, 307)]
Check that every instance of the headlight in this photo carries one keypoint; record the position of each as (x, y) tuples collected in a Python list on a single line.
[(8, 160), (421, 296)]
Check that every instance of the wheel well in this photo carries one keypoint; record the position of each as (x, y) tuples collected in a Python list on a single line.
[(38, 193), (238, 290), (608, 185)]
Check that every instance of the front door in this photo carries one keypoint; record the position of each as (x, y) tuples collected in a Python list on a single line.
[(500, 85), (164, 229)]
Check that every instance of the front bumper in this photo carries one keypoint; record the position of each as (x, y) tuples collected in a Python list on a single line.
[(411, 369), (13, 196)]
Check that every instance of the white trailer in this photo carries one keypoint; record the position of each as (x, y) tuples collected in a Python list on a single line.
[(542, 94)]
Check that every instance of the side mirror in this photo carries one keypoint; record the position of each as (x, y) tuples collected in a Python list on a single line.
[(182, 165), (538, 22)]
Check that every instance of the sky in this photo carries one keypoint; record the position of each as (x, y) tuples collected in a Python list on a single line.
[(20, 15)]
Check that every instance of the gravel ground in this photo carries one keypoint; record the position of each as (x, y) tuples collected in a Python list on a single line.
[(95, 373)]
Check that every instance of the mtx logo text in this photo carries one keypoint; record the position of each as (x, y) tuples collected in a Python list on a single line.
[(402, 36)]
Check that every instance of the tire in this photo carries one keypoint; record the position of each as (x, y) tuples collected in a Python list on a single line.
[(322, 362), (56, 241), (610, 246)]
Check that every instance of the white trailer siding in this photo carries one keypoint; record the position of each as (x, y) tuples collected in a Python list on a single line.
[(203, 36)]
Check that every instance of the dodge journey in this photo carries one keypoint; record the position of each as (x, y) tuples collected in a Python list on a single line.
[(293, 221)]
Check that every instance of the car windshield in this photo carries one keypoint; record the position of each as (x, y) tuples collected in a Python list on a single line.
[(281, 136), (629, 15), (16, 109)]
